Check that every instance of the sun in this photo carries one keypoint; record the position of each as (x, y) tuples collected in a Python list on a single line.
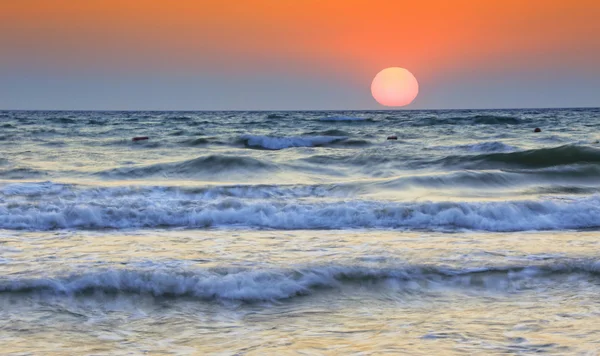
[(394, 87)]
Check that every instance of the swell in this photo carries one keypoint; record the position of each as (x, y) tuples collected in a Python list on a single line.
[(330, 132), (20, 172), (471, 120), (270, 284), (204, 165), (345, 119), (535, 158), (489, 146), (278, 143), (562, 180)]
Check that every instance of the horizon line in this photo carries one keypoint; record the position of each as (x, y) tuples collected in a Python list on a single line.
[(299, 110)]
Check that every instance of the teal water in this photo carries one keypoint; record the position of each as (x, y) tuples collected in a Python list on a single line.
[(300, 232)]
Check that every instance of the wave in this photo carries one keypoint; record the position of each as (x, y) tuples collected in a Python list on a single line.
[(204, 165), (495, 120), (565, 189), (332, 132), (355, 142), (270, 284), (203, 141), (176, 209), (452, 180), (276, 116), (180, 118), (200, 141), (97, 122), (21, 173), (363, 159), (32, 189), (343, 118), (278, 143), (562, 180), (535, 158), (63, 120), (490, 146), (50, 190), (471, 120)]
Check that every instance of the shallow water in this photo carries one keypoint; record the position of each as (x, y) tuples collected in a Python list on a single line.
[(300, 232)]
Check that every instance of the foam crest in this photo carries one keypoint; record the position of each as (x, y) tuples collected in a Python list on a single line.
[(490, 146), (278, 143), (33, 188), (81, 193), (278, 283), (174, 209)]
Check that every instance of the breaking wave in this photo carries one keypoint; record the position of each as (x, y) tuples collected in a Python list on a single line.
[(276, 208), (278, 143), (270, 284)]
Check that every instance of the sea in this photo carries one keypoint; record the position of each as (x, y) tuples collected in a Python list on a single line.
[(300, 232)]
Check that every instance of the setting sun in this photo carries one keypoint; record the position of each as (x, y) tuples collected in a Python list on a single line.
[(394, 87)]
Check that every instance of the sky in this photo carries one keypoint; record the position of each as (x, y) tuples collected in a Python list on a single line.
[(296, 54)]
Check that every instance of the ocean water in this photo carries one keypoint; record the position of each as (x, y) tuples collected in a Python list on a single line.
[(273, 233)]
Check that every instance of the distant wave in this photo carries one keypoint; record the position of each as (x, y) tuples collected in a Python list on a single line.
[(200, 141), (97, 122), (276, 116), (343, 118), (536, 158), (473, 120), (331, 132), (489, 146), (64, 120), (278, 143), (204, 141), (144, 209), (180, 118), (270, 284), (204, 165)]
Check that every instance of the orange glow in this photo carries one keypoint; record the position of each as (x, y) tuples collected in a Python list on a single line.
[(394, 87), (351, 38)]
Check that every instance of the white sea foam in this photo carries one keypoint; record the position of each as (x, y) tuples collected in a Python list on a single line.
[(33, 188), (83, 194), (130, 207), (278, 143)]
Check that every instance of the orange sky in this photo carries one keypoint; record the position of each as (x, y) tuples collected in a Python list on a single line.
[(353, 39)]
